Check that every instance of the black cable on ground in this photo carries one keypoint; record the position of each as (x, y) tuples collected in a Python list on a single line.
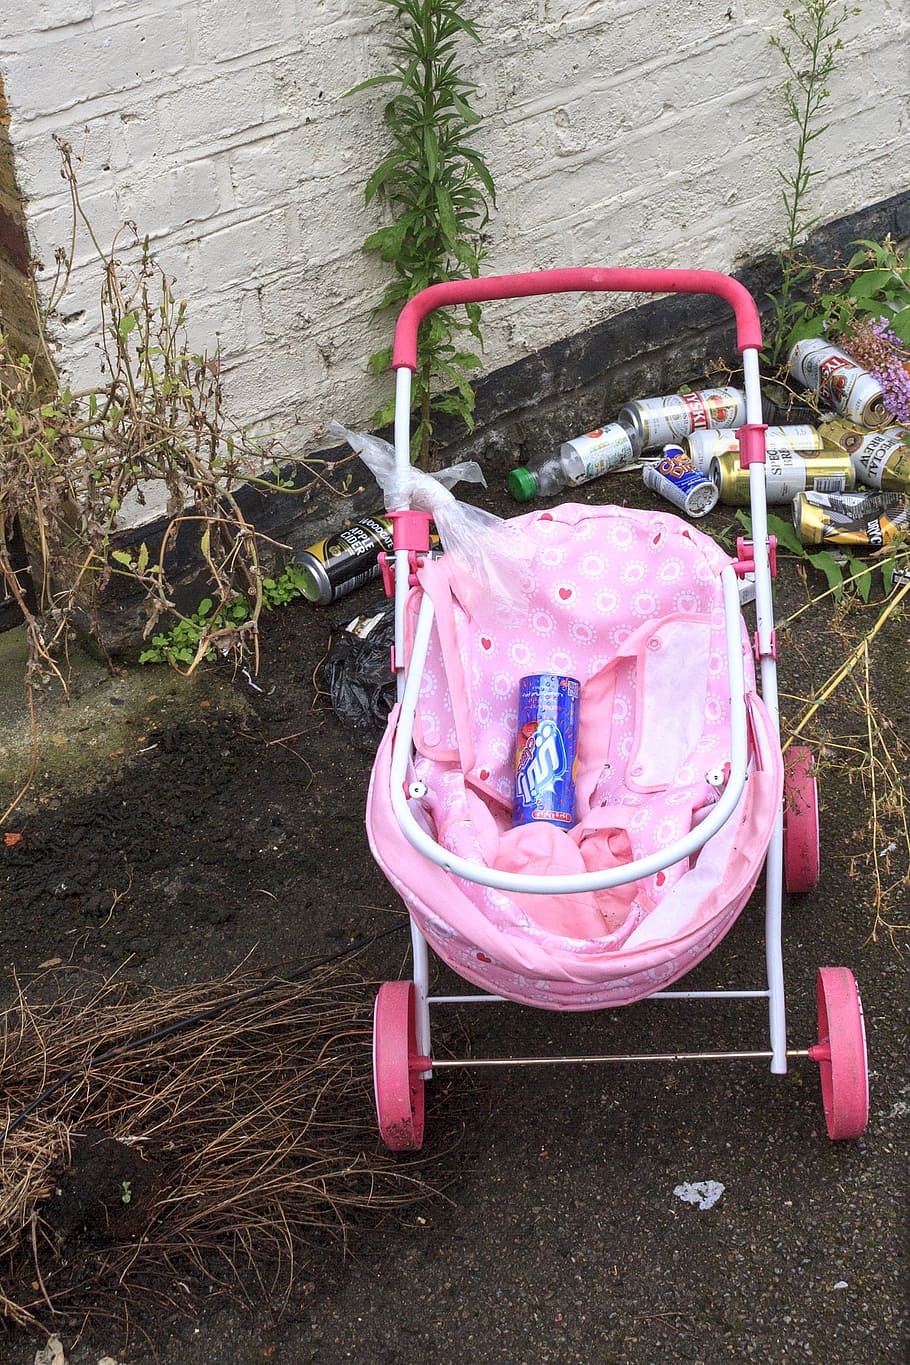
[(211, 1012)]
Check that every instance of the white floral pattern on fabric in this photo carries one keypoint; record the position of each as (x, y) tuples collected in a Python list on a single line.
[(520, 653), (592, 565), (564, 594), (619, 534), (633, 571), (503, 685), (500, 752), (644, 604), (686, 601), (541, 622), (562, 661), (714, 710), (483, 712), (582, 632), (606, 602), (670, 571)]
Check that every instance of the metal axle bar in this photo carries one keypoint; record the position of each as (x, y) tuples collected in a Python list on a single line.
[(450, 1064), (658, 995)]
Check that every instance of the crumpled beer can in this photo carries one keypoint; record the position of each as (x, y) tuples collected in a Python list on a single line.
[(881, 459)]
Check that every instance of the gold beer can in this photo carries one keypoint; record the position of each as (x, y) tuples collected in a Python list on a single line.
[(849, 388), (862, 521), (881, 459), (787, 472), (702, 446)]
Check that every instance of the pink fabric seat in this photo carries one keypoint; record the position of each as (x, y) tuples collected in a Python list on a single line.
[(629, 603)]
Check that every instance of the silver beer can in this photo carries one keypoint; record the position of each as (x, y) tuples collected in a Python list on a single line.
[(653, 422)]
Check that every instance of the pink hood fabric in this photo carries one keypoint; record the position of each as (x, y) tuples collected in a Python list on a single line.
[(630, 603)]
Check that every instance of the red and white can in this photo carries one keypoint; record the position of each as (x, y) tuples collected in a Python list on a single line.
[(654, 422), (848, 388)]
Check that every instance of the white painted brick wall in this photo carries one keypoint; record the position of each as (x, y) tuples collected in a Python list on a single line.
[(625, 132)]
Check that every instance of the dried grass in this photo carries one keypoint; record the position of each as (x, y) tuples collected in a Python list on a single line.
[(257, 1121), (846, 719)]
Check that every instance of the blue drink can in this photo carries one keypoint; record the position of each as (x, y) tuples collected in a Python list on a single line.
[(545, 750), (675, 478)]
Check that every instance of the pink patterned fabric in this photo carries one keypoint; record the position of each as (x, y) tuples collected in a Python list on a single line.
[(630, 604)]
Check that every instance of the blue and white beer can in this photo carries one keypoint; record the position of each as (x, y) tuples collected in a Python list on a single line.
[(548, 705)]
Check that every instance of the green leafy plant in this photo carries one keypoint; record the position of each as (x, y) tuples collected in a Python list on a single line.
[(874, 284), (438, 192), (809, 48), (210, 629), (126, 1192)]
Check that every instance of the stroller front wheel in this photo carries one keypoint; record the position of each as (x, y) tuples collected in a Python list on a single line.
[(397, 1080)]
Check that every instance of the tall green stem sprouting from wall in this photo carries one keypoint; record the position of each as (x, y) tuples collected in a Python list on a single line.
[(809, 49), (438, 192)]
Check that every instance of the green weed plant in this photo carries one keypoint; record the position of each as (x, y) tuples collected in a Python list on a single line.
[(845, 573), (437, 191), (874, 284), (810, 47), (201, 634)]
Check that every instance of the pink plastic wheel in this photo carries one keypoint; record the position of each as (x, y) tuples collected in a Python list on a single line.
[(397, 1067), (841, 1053), (801, 842)]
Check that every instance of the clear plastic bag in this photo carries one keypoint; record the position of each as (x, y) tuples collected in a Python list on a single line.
[(490, 552)]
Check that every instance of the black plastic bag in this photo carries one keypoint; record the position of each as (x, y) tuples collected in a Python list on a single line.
[(357, 672)]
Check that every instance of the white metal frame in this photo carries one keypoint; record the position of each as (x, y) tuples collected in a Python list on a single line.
[(409, 672)]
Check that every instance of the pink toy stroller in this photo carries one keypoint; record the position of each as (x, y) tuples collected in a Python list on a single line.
[(682, 789)]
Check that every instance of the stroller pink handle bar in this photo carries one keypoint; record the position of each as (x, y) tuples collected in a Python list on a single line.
[(748, 326)]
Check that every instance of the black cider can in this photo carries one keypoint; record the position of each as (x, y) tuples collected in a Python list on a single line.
[(345, 560)]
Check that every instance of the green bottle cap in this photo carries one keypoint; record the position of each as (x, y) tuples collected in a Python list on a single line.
[(522, 484)]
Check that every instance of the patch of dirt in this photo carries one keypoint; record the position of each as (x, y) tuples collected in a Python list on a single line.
[(227, 837), (103, 1191)]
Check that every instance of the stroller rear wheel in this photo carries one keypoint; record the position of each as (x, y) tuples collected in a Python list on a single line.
[(396, 1067), (801, 841), (841, 1053)]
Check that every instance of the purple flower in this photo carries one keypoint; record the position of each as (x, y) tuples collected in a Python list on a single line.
[(881, 329), (875, 346), (895, 382)]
